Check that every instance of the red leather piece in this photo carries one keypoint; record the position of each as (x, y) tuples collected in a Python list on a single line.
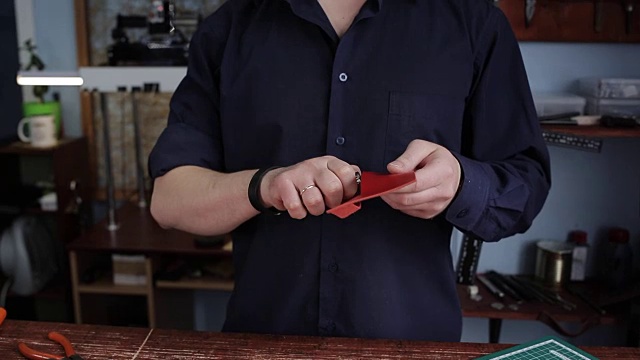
[(372, 185)]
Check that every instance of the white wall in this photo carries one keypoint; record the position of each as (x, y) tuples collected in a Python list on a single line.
[(556, 66), (51, 25), (26, 30)]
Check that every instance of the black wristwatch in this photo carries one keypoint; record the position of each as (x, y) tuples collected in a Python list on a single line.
[(254, 192)]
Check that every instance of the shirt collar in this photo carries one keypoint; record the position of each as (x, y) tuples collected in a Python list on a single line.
[(377, 3)]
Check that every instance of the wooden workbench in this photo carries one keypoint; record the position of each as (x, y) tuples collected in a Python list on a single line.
[(105, 342)]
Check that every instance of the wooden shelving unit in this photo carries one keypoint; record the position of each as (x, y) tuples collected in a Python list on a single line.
[(138, 234), (106, 286), (196, 284), (573, 21), (594, 131), (64, 164)]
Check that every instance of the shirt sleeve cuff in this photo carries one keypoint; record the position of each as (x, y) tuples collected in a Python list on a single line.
[(466, 209), (180, 145)]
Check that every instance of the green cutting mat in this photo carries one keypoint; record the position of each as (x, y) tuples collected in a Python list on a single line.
[(548, 348)]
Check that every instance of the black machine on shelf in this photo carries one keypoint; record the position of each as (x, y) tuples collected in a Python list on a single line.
[(165, 44)]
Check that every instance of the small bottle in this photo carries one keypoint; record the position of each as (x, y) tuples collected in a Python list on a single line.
[(619, 260), (579, 255)]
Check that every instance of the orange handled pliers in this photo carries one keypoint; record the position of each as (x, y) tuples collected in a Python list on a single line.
[(3, 314), (57, 337)]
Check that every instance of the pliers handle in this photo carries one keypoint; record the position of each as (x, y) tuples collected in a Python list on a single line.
[(38, 355), (3, 315)]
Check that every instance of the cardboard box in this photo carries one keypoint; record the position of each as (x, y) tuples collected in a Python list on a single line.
[(129, 269)]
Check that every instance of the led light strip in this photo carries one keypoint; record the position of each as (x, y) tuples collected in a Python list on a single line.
[(37, 78)]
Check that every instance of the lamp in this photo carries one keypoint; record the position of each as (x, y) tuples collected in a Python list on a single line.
[(49, 78)]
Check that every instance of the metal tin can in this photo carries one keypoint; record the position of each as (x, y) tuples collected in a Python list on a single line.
[(553, 262)]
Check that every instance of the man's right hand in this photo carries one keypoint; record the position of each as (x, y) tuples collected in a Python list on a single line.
[(309, 187)]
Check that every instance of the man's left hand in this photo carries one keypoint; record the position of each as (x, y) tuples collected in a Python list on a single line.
[(438, 176)]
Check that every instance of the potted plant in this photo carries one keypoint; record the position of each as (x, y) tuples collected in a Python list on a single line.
[(42, 106)]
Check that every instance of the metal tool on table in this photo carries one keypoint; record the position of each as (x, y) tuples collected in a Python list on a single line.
[(491, 287), (551, 296), (38, 355), (529, 11), (597, 15), (532, 290), (586, 299), (503, 285), (523, 291), (500, 296)]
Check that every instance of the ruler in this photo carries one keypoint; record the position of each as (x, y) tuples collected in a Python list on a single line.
[(573, 141), (468, 260), (547, 348)]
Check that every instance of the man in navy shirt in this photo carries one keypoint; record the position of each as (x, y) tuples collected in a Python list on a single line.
[(324, 89)]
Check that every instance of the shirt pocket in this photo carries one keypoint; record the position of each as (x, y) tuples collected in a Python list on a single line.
[(432, 117)]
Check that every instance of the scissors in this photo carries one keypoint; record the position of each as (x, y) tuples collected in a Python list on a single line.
[(60, 339)]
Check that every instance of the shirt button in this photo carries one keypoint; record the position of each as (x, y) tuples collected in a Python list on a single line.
[(462, 213), (340, 140), (343, 77), (333, 267)]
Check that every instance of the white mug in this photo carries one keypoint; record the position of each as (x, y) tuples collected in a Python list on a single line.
[(42, 130)]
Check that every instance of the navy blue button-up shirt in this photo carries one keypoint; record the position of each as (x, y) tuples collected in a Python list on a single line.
[(270, 83)]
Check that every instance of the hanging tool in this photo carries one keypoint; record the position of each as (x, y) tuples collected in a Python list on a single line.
[(172, 16), (38, 355), (529, 11), (142, 192), (468, 260), (628, 6), (597, 16), (123, 144), (112, 225)]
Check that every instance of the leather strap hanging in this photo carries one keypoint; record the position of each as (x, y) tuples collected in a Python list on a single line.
[(585, 325)]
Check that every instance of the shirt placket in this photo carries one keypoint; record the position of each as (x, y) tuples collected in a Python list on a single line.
[(343, 84), (337, 145), (342, 78)]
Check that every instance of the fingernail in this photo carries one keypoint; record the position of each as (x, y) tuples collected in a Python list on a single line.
[(396, 164)]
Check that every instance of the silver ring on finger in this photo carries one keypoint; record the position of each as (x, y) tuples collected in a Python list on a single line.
[(307, 188)]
